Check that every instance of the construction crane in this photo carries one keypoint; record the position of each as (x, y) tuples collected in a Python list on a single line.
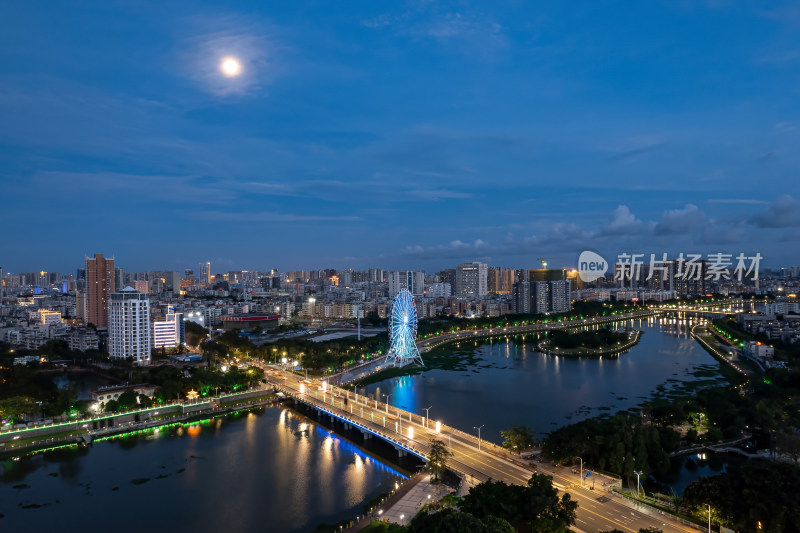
[(543, 261)]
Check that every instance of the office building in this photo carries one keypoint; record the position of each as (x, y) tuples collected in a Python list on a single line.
[(100, 284), (129, 326), (167, 332), (411, 280), (471, 279)]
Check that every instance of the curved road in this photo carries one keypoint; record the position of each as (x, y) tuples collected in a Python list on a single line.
[(599, 510)]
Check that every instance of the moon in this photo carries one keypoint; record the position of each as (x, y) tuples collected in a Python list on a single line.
[(230, 67)]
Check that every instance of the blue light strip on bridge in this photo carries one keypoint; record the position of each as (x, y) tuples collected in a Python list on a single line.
[(363, 428)]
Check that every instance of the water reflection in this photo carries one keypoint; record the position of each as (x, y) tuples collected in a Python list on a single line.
[(277, 471), (501, 383)]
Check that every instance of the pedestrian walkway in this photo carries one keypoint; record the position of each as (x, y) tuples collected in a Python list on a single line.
[(408, 506)]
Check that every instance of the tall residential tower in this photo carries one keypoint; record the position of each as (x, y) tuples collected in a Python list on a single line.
[(100, 284)]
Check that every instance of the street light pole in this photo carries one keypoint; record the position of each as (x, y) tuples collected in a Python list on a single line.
[(709, 517), (581, 471), (479, 435), (638, 490), (426, 415), (387, 402)]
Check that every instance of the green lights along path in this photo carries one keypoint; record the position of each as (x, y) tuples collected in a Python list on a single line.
[(501, 382), (264, 470)]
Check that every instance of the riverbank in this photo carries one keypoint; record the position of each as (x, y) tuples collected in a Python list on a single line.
[(84, 431)]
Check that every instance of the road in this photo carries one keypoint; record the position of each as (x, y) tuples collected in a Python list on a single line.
[(599, 510)]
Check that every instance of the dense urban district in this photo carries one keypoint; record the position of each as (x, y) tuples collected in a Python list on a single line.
[(165, 338)]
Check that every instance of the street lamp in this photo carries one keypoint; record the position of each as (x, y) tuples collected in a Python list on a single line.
[(479, 435), (581, 460), (426, 415), (387, 402), (709, 517), (638, 489)]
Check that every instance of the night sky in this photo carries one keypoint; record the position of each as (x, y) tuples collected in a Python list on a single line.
[(392, 134)]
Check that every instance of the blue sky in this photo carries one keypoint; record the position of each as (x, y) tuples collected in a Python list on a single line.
[(394, 134)]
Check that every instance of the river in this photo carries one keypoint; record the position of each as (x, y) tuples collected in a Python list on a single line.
[(273, 470), (502, 382), (280, 471)]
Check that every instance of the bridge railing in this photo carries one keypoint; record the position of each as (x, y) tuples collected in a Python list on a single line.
[(417, 447)]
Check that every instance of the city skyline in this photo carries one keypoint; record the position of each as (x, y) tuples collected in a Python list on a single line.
[(516, 132)]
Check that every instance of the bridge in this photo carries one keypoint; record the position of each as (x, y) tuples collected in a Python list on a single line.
[(473, 459)]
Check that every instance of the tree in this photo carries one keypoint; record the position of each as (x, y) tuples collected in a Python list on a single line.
[(769, 490), (542, 502), (437, 458), (535, 507), (17, 407), (447, 520), (518, 438), (195, 333), (127, 400)]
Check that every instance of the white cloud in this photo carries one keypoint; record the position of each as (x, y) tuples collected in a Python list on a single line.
[(679, 221), (623, 222)]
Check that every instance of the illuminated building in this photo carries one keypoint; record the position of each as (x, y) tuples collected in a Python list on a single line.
[(167, 332), (129, 327), (471, 279)]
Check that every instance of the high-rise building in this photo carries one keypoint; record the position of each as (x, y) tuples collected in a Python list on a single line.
[(494, 279), (81, 307), (376, 274), (205, 274), (172, 281), (542, 296), (129, 326), (411, 280), (500, 280), (559, 296), (119, 277), (100, 284), (42, 279), (522, 297), (167, 332), (507, 280), (471, 279)]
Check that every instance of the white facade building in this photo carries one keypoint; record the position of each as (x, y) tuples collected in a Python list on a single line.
[(166, 333), (472, 279), (411, 280), (129, 326)]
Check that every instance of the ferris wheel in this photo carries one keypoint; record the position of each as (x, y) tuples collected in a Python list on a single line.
[(403, 329)]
